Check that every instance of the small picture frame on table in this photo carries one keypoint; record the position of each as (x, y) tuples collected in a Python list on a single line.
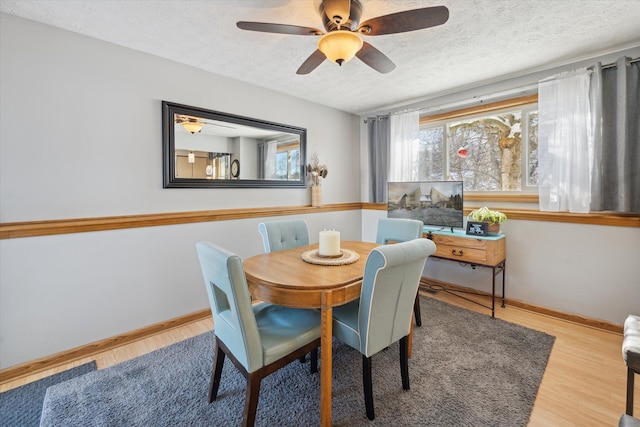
[(477, 228)]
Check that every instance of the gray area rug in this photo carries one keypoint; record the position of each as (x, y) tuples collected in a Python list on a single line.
[(22, 406), (467, 370)]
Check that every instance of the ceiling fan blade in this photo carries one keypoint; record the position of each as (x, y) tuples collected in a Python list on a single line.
[(312, 62), (402, 22), (266, 27), (337, 10), (375, 59)]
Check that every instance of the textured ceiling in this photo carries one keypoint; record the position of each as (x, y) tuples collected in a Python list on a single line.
[(483, 41)]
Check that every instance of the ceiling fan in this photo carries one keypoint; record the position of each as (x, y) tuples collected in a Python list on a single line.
[(342, 41)]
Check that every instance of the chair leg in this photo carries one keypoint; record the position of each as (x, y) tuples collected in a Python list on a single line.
[(216, 372), (254, 378), (416, 310), (251, 400), (314, 360), (404, 362), (368, 387), (630, 374)]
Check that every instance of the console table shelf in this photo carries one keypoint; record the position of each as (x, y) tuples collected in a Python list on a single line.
[(484, 251)]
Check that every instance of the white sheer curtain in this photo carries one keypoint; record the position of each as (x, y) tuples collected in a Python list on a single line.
[(565, 142), (404, 140), (270, 161)]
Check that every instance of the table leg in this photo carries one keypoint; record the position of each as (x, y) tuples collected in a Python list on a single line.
[(326, 349), (493, 293), (504, 272)]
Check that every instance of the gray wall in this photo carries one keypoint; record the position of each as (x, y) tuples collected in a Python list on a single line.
[(80, 136)]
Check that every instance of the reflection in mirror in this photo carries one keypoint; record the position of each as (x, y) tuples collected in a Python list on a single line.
[(204, 148), (202, 164)]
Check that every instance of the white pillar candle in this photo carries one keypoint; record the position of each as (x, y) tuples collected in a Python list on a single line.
[(329, 243)]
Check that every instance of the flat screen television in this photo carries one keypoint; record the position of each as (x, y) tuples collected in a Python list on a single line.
[(435, 203)]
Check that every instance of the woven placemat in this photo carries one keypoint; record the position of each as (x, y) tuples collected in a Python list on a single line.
[(348, 257)]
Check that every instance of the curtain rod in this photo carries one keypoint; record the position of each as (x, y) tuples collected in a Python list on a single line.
[(613, 64), (376, 118), (481, 99), (467, 102)]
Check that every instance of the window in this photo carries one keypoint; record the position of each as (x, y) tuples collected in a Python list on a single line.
[(495, 150), (288, 161), (532, 153)]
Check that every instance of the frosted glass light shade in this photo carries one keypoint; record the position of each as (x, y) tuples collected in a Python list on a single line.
[(340, 46), (193, 127)]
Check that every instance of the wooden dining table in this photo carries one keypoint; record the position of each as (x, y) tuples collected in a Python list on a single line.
[(284, 278)]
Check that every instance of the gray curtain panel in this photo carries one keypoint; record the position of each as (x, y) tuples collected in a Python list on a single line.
[(379, 135), (262, 157), (615, 179)]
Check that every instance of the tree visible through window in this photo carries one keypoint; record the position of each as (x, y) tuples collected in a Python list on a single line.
[(486, 152), (430, 154), (288, 162), (532, 161)]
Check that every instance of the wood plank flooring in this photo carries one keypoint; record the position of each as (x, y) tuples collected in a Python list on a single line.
[(584, 383)]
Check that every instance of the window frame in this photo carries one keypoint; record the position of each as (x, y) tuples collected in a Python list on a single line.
[(288, 148), (526, 104)]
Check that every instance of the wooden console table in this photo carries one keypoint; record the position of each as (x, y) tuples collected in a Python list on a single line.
[(486, 251)]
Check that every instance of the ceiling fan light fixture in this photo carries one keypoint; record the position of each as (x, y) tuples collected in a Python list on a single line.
[(340, 46), (192, 126)]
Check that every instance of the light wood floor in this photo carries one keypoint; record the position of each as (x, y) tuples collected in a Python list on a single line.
[(584, 383)]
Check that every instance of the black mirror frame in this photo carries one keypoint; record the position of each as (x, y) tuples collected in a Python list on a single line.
[(169, 109)]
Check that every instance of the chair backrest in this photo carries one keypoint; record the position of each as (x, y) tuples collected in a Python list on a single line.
[(389, 286), (234, 319), (398, 230), (279, 235)]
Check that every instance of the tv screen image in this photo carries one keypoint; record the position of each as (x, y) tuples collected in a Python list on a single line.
[(435, 203)]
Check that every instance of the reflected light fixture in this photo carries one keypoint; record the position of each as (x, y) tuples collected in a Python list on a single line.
[(340, 46), (192, 126)]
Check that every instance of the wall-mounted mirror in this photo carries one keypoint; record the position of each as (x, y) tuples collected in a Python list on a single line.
[(204, 148)]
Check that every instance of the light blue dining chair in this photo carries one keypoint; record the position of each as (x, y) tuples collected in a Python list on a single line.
[(259, 339), (394, 230), (279, 235), (382, 315)]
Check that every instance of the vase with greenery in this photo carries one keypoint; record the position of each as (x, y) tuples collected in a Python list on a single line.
[(493, 218)]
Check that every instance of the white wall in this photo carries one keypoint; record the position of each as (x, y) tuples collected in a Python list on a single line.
[(80, 115), (80, 136), (60, 292), (588, 270), (201, 142)]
